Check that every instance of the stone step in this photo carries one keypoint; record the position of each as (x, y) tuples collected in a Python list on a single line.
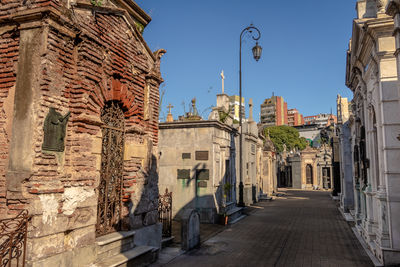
[(234, 213), (138, 256), (166, 241), (242, 216), (114, 243), (264, 198)]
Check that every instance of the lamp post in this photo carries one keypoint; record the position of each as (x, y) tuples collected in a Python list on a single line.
[(256, 54)]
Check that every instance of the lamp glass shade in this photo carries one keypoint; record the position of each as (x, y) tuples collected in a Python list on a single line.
[(257, 52)]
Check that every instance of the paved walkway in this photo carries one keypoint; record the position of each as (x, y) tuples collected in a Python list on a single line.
[(303, 228)]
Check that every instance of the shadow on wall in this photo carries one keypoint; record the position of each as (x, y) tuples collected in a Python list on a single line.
[(145, 212), (204, 200)]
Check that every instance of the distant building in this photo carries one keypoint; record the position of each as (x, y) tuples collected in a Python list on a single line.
[(274, 111), (308, 120), (234, 102), (342, 107), (294, 117), (321, 120)]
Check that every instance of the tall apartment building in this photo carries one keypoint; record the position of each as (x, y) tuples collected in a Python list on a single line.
[(342, 107), (234, 102), (274, 111), (294, 117)]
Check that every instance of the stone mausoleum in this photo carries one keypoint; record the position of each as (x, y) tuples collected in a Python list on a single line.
[(371, 135), (198, 163), (79, 94)]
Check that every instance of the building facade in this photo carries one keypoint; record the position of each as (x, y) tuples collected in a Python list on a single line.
[(309, 169), (79, 127), (273, 112), (294, 117), (234, 102), (321, 120), (198, 164), (372, 75), (342, 108)]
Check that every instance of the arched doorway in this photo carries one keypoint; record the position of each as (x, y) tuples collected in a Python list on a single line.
[(309, 174), (111, 174)]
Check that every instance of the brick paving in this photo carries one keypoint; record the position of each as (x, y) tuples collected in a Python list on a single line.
[(303, 228)]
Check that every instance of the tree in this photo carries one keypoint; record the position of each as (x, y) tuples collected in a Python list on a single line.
[(287, 135)]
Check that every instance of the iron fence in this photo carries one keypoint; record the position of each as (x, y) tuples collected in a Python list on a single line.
[(13, 233), (165, 213)]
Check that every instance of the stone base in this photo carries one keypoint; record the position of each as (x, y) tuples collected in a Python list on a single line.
[(77, 257), (149, 236), (147, 243), (387, 256)]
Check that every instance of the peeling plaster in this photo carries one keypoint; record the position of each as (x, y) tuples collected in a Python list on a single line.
[(73, 196), (49, 207)]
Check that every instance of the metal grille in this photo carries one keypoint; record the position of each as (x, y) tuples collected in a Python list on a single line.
[(110, 188), (13, 234), (165, 213)]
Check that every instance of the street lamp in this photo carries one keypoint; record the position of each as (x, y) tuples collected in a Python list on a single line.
[(256, 54)]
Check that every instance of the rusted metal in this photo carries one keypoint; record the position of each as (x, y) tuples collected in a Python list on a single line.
[(13, 233), (165, 212), (110, 187)]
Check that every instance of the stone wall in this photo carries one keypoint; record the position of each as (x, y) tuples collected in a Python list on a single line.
[(74, 60)]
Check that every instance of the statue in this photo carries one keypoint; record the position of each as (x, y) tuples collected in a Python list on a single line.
[(54, 131)]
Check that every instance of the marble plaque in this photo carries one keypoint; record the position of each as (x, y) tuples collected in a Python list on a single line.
[(202, 184), (201, 155), (186, 155), (203, 174), (183, 174)]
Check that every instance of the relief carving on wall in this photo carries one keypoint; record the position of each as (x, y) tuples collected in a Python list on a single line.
[(54, 128)]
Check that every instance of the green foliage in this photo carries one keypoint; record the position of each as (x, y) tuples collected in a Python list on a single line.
[(139, 26), (286, 135), (96, 2), (227, 188), (223, 116)]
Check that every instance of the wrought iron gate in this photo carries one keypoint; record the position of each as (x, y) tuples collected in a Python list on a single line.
[(110, 187), (13, 240), (309, 174), (165, 213)]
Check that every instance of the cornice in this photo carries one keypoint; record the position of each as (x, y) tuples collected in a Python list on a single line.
[(196, 124)]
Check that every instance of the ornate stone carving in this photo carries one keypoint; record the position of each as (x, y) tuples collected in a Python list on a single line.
[(381, 4)]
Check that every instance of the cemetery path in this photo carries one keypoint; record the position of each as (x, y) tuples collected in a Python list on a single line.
[(302, 228)]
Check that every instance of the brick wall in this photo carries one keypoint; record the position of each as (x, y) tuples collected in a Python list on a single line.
[(8, 63)]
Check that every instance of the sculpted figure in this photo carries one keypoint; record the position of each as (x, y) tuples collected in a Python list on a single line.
[(54, 131)]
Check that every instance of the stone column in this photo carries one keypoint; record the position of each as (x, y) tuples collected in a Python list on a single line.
[(26, 97)]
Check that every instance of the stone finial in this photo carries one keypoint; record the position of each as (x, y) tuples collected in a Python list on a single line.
[(250, 109), (381, 5), (223, 80), (169, 107), (194, 109), (170, 118)]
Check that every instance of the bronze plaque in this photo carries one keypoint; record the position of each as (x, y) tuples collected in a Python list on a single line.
[(202, 184), (203, 174), (183, 174), (54, 128), (186, 155), (201, 155)]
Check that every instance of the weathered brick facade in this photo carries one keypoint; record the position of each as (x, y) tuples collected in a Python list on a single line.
[(75, 57)]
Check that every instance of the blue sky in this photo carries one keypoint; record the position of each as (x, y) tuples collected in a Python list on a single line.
[(304, 51)]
